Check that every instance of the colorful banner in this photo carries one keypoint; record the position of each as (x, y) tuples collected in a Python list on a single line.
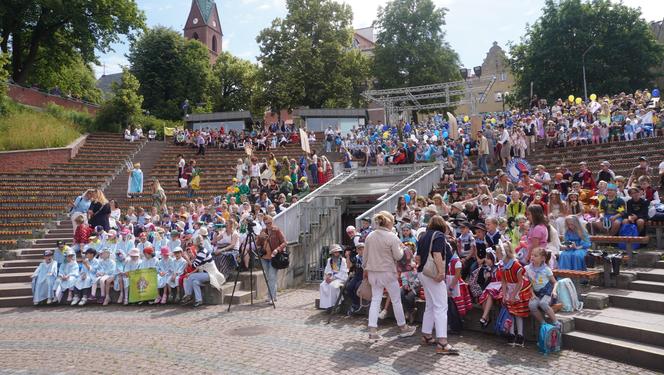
[(516, 167), (142, 285)]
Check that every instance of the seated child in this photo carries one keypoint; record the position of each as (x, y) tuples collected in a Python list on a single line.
[(88, 270), (165, 275), (67, 276), (81, 234), (544, 286), (104, 277), (43, 280)]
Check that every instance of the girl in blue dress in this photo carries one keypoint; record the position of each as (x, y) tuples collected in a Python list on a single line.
[(165, 275), (577, 243)]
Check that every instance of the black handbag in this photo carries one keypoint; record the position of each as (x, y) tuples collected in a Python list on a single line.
[(281, 260)]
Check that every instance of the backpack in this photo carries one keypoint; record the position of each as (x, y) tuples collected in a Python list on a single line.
[(567, 296), (504, 322), (549, 339), (329, 138), (281, 260), (628, 230), (656, 212)]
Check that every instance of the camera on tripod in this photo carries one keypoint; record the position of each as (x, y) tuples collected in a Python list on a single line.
[(250, 223)]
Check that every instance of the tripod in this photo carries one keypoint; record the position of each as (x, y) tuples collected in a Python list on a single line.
[(248, 246)]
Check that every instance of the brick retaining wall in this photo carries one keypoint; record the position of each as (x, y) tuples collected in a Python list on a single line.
[(40, 99), (22, 160)]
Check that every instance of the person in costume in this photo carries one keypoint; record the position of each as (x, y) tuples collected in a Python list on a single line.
[(43, 280), (336, 274), (83, 285), (135, 182), (516, 291), (104, 277)]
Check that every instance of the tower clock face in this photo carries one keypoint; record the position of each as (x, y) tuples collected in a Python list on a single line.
[(195, 21)]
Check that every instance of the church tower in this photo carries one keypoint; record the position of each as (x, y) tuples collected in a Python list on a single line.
[(203, 25)]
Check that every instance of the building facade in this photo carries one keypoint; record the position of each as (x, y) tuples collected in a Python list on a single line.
[(495, 64), (203, 25)]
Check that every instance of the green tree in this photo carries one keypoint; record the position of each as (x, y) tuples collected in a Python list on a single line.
[(410, 48), (33, 29), (171, 69), (306, 57), (4, 75), (74, 77), (622, 50), (233, 83), (124, 107)]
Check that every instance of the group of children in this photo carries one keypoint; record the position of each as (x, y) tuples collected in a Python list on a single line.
[(60, 274)]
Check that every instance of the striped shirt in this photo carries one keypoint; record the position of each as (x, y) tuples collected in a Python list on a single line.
[(202, 256)]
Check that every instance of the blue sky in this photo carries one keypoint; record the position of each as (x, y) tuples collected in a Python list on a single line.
[(472, 26)]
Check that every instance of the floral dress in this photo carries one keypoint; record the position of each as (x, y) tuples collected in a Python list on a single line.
[(459, 293), (509, 272)]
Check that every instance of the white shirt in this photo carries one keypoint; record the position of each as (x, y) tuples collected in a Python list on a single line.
[(505, 136), (661, 168)]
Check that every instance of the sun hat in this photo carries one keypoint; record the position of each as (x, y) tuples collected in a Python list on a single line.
[(335, 248), (134, 252), (165, 251)]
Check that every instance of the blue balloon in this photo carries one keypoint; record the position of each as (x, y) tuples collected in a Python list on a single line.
[(467, 152), (655, 93), (436, 133), (406, 197), (445, 135)]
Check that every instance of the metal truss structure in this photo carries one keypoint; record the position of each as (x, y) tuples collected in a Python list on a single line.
[(444, 95)]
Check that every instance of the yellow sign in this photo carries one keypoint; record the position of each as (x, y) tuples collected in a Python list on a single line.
[(142, 285)]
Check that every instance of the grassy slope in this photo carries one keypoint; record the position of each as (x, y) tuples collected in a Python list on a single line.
[(23, 129)]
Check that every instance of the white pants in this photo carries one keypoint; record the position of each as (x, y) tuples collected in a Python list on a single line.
[(380, 281), (435, 313), (329, 293)]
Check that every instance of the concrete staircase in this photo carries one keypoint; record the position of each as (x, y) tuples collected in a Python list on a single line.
[(631, 329), (148, 157), (15, 282)]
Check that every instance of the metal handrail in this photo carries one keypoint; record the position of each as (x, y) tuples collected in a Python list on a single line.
[(293, 221), (421, 184)]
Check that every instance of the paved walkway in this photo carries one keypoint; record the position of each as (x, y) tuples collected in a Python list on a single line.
[(294, 339)]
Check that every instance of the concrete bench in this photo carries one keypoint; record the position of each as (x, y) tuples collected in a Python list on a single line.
[(658, 226), (628, 241)]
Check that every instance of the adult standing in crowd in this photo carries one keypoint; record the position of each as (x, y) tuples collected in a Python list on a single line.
[(80, 206), (158, 196), (505, 146), (435, 289), (381, 252), (483, 152), (99, 211), (272, 241)]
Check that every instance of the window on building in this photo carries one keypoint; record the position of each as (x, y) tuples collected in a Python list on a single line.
[(498, 96), (195, 36), (503, 76), (214, 43)]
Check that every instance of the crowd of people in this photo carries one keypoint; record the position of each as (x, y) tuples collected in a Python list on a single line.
[(496, 245), (504, 134), (189, 246)]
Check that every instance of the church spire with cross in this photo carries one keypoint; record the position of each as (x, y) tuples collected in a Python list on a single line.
[(203, 25)]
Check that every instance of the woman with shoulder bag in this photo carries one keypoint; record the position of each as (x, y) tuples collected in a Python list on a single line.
[(432, 250), (382, 249)]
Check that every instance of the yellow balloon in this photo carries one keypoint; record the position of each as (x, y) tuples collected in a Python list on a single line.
[(571, 98), (493, 120), (465, 118), (578, 100), (593, 97), (386, 135)]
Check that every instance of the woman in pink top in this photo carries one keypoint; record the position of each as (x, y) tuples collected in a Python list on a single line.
[(538, 234)]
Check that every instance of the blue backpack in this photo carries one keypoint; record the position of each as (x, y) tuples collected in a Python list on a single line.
[(504, 322), (549, 339), (628, 230)]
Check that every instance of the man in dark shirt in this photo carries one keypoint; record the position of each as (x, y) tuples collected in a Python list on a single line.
[(605, 174), (637, 209), (611, 209)]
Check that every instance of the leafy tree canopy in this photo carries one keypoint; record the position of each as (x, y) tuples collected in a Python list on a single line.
[(74, 77), (124, 106), (307, 59), (622, 50), (36, 29), (171, 69), (233, 83), (411, 49)]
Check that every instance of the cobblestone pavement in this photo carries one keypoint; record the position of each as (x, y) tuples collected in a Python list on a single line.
[(293, 339)]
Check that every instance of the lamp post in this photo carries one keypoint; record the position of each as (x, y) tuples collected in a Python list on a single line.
[(583, 62)]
